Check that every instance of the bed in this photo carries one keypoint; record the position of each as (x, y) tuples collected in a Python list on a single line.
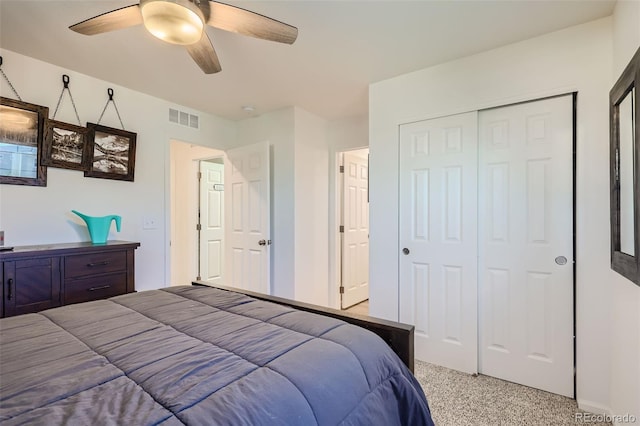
[(200, 356)]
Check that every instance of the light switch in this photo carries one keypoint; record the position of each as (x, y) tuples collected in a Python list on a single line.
[(149, 223)]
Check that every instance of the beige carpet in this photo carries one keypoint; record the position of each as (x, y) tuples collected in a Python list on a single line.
[(458, 399)]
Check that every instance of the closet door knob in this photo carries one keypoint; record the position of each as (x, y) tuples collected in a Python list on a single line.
[(406, 251), (561, 260)]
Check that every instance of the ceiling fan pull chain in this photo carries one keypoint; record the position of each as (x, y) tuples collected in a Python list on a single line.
[(110, 93), (65, 82), (9, 82)]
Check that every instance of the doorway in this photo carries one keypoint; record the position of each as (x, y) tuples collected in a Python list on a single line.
[(246, 242), (486, 241), (184, 201), (353, 217)]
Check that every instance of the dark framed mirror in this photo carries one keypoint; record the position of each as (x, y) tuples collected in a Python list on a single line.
[(624, 164)]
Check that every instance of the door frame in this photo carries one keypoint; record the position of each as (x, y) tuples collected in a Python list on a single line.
[(574, 115)]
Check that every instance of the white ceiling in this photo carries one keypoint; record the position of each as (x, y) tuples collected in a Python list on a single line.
[(342, 47)]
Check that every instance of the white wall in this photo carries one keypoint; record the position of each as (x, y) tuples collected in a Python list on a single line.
[(299, 185), (311, 208), (575, 59), (625, 321), (35, 215), (347, 134)]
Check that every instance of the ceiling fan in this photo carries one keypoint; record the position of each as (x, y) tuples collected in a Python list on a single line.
[(183, 21)]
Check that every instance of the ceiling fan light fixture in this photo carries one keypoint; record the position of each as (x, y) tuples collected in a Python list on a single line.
[(173, 21)]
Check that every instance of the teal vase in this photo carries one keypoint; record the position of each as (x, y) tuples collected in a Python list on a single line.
[(99, 226)]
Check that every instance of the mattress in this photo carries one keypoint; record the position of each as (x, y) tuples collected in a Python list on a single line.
[(199, 356)]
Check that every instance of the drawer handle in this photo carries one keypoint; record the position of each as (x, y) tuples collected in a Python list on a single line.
[(102, 287), (9, 290), (91, 265)]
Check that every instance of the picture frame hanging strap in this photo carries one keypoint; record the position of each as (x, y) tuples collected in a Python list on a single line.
[(111, 100), (65, 82), (13, 89)]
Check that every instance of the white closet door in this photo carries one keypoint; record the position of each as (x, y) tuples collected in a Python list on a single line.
[(526, 244), (438, 229)]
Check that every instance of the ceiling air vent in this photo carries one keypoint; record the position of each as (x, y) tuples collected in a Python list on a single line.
[(184, 118)]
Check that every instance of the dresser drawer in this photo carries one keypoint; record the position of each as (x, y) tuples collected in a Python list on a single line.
[(34, 278), (94, 288), (95, 263)]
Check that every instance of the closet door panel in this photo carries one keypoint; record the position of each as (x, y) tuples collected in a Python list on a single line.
[(438, 269), (526, 243)]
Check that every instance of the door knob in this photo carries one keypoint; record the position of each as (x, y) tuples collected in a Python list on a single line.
[(561, 260), (406, 251), (262, 242)]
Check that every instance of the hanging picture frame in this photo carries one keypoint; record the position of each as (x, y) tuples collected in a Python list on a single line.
[(112, 153), (21, 143), (65, 146)]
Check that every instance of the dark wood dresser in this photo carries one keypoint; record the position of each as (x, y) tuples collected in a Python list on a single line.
[(35, 278)]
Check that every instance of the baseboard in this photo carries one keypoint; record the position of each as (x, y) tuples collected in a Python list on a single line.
[(592, 407)]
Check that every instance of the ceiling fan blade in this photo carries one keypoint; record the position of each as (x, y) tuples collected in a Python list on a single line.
[(242, 21), (115, 20), (205, 55)]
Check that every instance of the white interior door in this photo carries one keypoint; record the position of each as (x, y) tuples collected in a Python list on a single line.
[(211, 222), (438, 238), (247, 205), (526, 244), (355, 239)]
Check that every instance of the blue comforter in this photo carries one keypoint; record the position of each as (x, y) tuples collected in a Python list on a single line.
[(199, 356)]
